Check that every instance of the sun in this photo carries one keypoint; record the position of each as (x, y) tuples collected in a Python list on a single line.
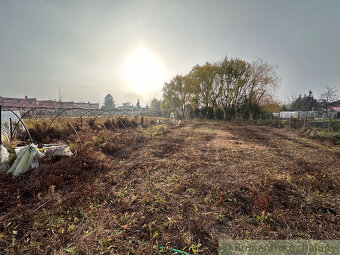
[(143, 71)]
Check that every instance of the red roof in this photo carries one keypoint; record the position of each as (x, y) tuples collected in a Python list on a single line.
[(335, 109), (18, 102)]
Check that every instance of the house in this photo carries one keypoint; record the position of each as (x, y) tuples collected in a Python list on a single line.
[(26, 104), (46, 103), (19, 103), (88, 105), (334, 112)]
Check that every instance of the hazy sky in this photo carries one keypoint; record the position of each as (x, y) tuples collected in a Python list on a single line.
[(81, 47)]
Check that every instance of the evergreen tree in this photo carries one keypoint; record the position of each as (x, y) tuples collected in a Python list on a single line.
[(138, 104), (305, 103), (109, 103)]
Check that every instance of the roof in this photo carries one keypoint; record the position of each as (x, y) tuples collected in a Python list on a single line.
[(17, 98), (336, 103), (335, 108)]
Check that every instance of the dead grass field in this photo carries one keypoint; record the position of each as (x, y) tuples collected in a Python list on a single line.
[(184, 188)]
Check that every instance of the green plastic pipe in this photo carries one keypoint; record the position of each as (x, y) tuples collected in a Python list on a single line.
[(175, 250)]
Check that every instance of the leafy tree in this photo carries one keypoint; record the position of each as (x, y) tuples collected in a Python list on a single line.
[(271, 107), (234, 75), (229, 86), (202, 81), (175, 95), (109, 103), (155, 107)]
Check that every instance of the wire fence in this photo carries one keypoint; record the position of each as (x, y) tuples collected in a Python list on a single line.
[(82, 118), (310, 127), (75, 117)]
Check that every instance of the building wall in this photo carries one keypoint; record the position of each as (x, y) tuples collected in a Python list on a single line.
[(22, 103), (28, 103), (46, 103)]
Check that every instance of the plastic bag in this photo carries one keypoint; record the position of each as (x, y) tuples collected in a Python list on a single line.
[(4, 155), (27, 157), (51, 150)]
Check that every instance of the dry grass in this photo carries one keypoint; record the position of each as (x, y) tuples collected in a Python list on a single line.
[(49, 130), (130, 191)]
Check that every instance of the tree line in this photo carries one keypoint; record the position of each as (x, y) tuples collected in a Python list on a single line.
[(221, 90), (308, 102)]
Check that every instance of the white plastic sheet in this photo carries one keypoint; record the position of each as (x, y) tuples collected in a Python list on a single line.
[(51, 150), (288, 115), (6, 115), (4, 155), (27, 157), (174, 121)]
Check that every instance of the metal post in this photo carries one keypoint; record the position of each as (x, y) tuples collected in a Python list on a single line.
[(10, 128), (81, 122)]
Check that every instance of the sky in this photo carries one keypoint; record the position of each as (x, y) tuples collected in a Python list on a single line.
[(83, 47)]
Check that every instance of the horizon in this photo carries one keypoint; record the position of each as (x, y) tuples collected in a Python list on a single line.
[(65, 101), (130, 49)]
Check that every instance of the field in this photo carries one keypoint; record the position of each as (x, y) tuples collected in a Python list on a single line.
[(154, 189)]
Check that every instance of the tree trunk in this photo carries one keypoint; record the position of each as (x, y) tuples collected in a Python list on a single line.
[(207, 113)]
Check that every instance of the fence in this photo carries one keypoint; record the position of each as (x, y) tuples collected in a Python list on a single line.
[(325, 126), (72, 116)]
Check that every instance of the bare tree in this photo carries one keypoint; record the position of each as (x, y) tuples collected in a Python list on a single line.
[(328, 97), (264, 80)]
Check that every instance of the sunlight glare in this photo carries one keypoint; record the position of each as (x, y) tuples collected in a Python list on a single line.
[(143, 71)]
